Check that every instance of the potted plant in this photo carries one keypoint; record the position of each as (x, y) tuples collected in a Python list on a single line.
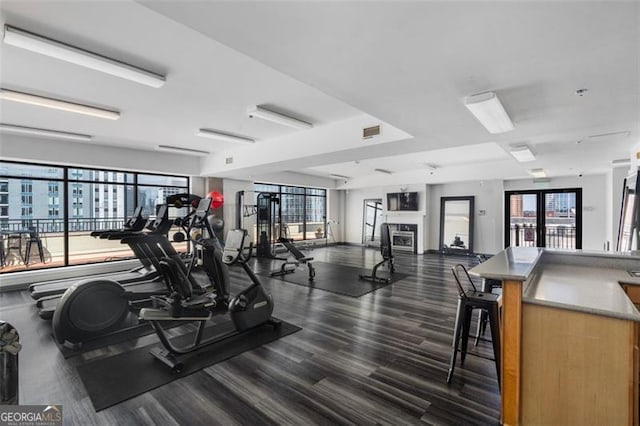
[(319, 232)]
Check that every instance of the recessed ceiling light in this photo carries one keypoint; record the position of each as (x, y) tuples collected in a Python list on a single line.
[(538, 173), (55, 49), (221, 136), (33, 131), (275, 117), (522, 153), (178, 150), (27, 98)]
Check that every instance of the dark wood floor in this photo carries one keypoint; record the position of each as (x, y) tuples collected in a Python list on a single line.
[(381, 358)]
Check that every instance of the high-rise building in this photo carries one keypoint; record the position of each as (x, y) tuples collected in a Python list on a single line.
[(516, 206)]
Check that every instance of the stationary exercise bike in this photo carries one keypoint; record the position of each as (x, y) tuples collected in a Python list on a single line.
[(250, 308)]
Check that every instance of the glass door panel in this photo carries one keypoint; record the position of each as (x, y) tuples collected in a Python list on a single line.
[(560, 220), (523, 220)]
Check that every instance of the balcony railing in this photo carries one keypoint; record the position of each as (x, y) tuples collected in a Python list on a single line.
[(80, 247), (525, 235), (57, 225)]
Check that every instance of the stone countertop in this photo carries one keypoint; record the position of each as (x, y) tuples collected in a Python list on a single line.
[(510, 264), (568, 279), (594, 290)]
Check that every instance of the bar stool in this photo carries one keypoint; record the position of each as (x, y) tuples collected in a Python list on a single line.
[(487, 286), (468, 301), (34, 238), (14, 243)]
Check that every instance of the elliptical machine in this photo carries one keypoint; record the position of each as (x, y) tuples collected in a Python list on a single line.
[(250, 308), (97, 307)]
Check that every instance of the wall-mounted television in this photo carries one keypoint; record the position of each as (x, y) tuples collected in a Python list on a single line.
[(402, 201)]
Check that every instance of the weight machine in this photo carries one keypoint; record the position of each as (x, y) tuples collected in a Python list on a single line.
[(268, 224)]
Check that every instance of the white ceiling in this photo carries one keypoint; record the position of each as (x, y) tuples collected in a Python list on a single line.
[(407, 65)]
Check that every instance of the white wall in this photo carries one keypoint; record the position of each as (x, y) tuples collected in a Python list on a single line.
[(354, 211), (336, 200), (230, 187), (197, 185), (489, 196), (87, 154), (594, 204)]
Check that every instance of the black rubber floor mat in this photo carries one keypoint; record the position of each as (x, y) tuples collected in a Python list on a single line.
[(112, 380), (333, 277), (133, 332)]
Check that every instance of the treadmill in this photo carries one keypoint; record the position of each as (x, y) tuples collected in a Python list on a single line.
[(145, 272), (135, 223), (157, 246), (147, 245)]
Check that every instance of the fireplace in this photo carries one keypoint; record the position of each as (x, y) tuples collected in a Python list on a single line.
[(402, 240)]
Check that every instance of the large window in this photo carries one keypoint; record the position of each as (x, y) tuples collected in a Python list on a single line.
[(64, 204), (302, 211)]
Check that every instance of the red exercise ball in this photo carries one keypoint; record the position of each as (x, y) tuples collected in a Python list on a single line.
[(217, 199)]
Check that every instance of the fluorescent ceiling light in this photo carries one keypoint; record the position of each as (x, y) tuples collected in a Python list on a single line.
[(11, 128), (388, 172), (621, 162), (489, 112), (214, 134), (538, 173), (35, 43), (27, 98), (285, 120), (339, 176), (178, 150), (522, 153), (621, 134)]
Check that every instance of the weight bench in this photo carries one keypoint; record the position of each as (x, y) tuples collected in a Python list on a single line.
[(387, 256), (289, 266)]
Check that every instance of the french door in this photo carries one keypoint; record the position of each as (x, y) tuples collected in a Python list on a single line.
[(549, 218)]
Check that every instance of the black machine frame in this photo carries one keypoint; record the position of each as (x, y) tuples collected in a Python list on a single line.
[(386, 251), (250, 308)]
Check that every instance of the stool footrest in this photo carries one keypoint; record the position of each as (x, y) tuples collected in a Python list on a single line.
[(478, 355)]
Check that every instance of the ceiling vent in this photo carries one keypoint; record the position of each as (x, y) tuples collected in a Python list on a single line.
[(228, 160), (370, 132)]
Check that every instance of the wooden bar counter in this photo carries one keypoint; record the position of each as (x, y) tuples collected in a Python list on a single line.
[(569, 331)]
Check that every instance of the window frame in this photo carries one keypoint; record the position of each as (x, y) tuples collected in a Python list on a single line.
[(67, 181), (299, 191)]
